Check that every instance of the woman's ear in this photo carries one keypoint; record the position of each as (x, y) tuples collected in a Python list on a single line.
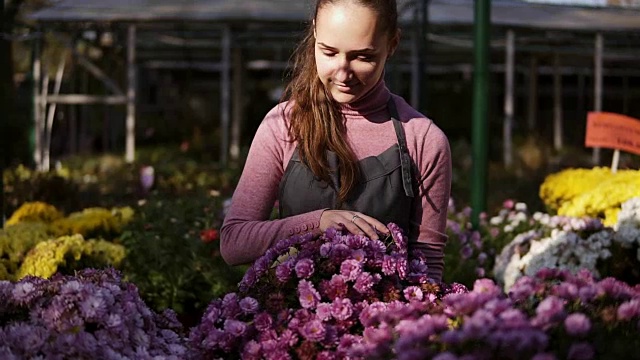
[(393, 43), (314, 28)]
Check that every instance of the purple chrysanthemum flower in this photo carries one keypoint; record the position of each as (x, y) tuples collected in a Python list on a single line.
[(544, 356), (288, 339), (263, 321), (234, 327), (445, 356), (93, 307), (326, 355), (284, 270), (359, 255), (363, 283), (402, 266), (249, 305), (466, 252), (350, 269), (325, 249), (304, 268), (577, 324), (313, 330), (23, 292), (628, 310), (412, 293), (548, 311), (581, 351), (251, 350), (342, 309), (323, 311), (388, 265), (369, 313), (357, 241), (307, 295)]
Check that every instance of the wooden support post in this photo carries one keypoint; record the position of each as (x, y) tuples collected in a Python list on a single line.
[(37, 106), (597, 87), (131, 95), (509, 77), (532, 113), (225, 96), (557, 104), (46, 158), (238, 104)]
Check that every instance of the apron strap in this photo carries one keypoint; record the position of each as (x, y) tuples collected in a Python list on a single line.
[(405, 159)]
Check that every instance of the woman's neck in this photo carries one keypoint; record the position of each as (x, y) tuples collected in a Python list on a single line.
[(375, 100)]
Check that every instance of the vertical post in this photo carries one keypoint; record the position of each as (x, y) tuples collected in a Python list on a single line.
[(416, 67), (419, 54), (46, 160), (37, 103), (481, 27), (532, 114), (580, 108), (225, 85), (238, 103), (3, 96), (130, 146), (625, 94), (597, 87), (557, 103), (509, 70)]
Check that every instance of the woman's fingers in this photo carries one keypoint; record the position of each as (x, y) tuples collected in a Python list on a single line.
[(371, 226), (354, 222)]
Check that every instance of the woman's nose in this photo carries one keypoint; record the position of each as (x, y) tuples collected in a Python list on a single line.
[(343, 69)]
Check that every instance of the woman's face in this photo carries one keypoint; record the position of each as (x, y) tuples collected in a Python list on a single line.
[(350, 49)]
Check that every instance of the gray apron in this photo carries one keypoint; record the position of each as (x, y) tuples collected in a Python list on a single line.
[(384, 191)]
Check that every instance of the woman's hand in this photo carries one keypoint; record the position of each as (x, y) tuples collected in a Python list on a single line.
[(354, 222)]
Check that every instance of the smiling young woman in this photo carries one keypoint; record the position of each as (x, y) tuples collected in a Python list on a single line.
[(341, 150)]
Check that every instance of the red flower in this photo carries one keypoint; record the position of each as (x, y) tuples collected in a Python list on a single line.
[(209, 235)]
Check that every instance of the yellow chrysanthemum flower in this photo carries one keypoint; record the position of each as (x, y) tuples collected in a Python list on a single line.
[(18, 239), (35, 211), (47, 257), (593, 192), (43, 260), (92, 222)]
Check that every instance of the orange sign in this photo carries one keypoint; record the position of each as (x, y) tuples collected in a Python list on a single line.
[(613, 131)]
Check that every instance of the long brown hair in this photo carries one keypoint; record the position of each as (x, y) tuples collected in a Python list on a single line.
[(316, 122)]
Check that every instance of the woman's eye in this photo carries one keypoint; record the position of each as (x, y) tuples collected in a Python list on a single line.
[(329, 54), (365, 57)]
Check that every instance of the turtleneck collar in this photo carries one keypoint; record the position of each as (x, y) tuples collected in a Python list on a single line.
[(372, 102)]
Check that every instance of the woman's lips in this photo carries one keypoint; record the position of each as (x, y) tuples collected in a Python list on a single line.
[(344, 87)]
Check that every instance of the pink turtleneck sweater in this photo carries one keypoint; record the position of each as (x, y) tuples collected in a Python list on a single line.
[(247, 232)]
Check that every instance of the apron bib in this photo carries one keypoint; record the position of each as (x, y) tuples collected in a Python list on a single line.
[(384, 191)]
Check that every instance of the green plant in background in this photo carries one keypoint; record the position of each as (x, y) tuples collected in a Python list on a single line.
[(70, 253), (173, 254), (15, 242), (23, 185)]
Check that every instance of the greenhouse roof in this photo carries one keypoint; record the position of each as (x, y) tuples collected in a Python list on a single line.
[(510, 13)]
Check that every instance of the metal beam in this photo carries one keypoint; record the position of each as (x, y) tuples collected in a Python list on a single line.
[(81, 99)]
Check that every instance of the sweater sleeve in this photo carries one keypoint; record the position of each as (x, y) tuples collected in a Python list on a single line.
[(247, 233), (430, 206)]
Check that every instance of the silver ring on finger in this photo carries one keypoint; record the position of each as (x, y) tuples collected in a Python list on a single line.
[(353, 219)]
